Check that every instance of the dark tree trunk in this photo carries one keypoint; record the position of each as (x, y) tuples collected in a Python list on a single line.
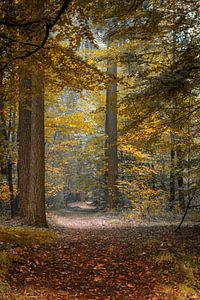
[(181, 197), (3, 132), (36, 201), (11, 189), (36, 204), (31, 131), (111, 140), (24, 137), (153, 178), (172, 179), (11, 139)]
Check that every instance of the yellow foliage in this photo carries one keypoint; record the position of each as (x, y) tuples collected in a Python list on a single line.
[(4, 192)]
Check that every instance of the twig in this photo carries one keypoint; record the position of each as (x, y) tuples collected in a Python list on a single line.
[(17, 41), (186, 210)]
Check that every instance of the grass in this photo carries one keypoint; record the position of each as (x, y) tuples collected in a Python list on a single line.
[(8, 293), (5, 262), (183, 268), (25, 236)]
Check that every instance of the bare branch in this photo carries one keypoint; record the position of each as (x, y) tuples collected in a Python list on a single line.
[(17, 41), (186, 210)]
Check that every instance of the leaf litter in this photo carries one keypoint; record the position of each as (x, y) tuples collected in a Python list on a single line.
[(108, 262)]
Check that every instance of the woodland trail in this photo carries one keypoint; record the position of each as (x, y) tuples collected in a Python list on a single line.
[(95, 258)]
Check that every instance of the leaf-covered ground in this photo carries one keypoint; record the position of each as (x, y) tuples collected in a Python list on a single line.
[(107, 260)]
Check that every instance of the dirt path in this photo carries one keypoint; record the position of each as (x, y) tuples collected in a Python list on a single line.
[(99, 258)]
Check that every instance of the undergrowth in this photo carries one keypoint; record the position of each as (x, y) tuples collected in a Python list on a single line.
[(183, 268)]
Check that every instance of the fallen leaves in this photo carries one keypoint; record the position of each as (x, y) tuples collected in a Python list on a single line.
[(104, 263)]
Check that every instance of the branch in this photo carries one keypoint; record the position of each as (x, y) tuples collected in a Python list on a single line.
[(186, 210), (49, 26), (17, 24), (194, 206), (193, 68), (17, 41)]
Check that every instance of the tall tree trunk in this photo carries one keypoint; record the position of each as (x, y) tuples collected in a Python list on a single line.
[(24, 123), (3, 132), (36, 201), (111, 140), (172, 197), (181, 197), (10, 138), (24, 137), (11, 189), (172, 174), (31, 131)]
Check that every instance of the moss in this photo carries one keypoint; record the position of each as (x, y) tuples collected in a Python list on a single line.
[(186, 292), (5, 262), (8, 293), (26, 236), (165, 256), (181, 292)]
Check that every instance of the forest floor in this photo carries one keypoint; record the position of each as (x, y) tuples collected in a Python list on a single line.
[(96, 256)]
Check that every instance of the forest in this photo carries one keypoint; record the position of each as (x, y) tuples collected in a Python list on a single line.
[(99, 149)]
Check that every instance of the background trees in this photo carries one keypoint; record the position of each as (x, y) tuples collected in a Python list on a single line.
[(155, 46)]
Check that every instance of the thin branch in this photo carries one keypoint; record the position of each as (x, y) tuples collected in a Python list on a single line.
[(186, 210), (193, 68), (17, 41), (49, 26), (17, 24)]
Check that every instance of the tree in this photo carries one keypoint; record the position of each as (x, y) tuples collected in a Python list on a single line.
[(31, 134), (111, 139), (24, 136), (33, 202)]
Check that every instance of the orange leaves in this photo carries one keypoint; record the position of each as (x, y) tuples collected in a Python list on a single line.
[(17, 250), (104, 263), (97, 279), (129, 285)]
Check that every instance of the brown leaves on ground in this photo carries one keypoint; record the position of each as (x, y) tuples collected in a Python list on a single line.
[(109, 263)]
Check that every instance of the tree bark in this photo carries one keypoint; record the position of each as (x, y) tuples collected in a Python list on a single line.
[(24, 137), (36, 204), (181, 196), (3, 132), (111, 140), (172, 177), (172, 197), (36, 199), (31, 133)]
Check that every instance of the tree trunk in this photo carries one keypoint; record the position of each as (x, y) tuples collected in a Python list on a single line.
[(31, 132), (172, 175), (3, 132), (11, 139), (111, 140), (24, 137), (172, 134), (11, 189), (36, 202), (181, 197)]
